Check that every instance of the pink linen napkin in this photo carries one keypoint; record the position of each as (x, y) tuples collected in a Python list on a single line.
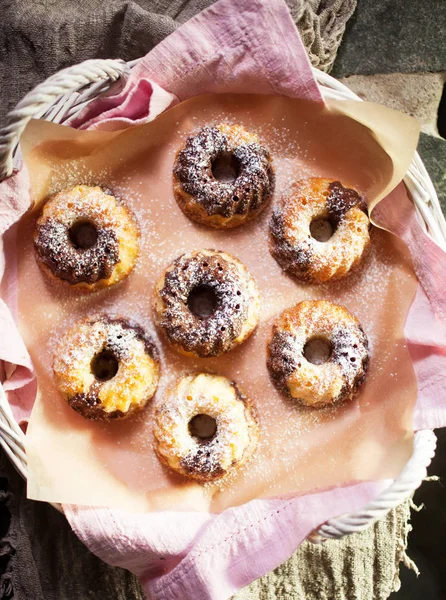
[(202, 556), (233, 47), (425, 327)]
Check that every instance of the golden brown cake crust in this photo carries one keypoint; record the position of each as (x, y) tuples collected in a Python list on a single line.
[(337, 379), (137, 363), (108, 252), (222, 204), (237, 303), (300, 254), (236, 428)]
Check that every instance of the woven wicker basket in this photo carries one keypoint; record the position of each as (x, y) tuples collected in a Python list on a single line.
[(64, 95)]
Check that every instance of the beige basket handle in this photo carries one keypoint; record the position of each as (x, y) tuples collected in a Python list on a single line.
[(44, 95)]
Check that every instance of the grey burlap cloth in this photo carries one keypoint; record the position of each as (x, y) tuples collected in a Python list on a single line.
[(41, 559)]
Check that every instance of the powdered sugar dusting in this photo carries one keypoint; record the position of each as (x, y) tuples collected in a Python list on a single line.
[(253, 184), (234, 292), (129, 386), (219, 399), (292, 243), (299, 449), (115, 236)]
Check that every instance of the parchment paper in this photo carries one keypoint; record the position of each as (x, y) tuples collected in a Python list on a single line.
[(73, 460)]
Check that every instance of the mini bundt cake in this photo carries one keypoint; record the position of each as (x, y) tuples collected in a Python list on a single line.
[(223, 176), (86, 237), (205, 428), (206, 302), (320, 230), (318, 353), (106, 368)]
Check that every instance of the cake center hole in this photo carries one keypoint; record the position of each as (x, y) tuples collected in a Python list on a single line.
[(104, 365), (321, 230), (83, 234), (317, 351), (225, 167), (202, 301), (203, 427)]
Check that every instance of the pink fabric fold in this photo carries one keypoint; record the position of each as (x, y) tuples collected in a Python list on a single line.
[(238, 47), (203, 556), (425, 327), (140, 101), (18, 370), (245, 47), (14, 198)]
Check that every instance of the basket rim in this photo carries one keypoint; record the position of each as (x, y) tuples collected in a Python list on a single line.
[(57, 99)]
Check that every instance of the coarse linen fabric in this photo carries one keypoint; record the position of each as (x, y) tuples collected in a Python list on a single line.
[(40, 37)]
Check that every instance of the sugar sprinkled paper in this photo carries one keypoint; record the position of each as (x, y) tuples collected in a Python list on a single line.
[(340, 437)]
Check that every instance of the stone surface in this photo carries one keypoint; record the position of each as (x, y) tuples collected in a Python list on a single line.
[(387, 36), (416, 94), (433, 153)]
